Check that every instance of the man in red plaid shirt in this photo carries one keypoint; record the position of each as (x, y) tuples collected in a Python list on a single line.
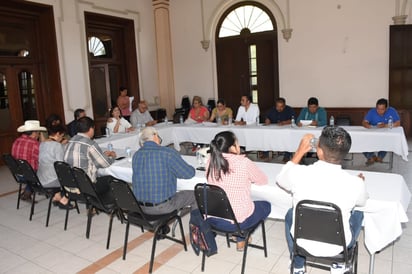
[(26, 147)]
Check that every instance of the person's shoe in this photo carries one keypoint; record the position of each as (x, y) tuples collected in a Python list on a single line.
[(370, 161), (299, 270), (378, 160), (240, 245), (286, 159), (164, 230), (26, 196), (65, 206)]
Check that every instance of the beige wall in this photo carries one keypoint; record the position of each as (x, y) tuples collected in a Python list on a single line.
[(338, 50)]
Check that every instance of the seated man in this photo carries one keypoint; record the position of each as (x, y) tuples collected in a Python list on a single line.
[(247, 113), (72, 126), (325, 180), (313, 112), (155, 173), (379, 117), (83, 152), (141, 116), (26, 147), (280, 114)]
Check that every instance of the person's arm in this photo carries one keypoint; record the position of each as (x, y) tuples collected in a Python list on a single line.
[(304, 147), (213, 116), (301, 116), (101, 159), (256, 175), (206, 114), (180, 168), (365, 123), (134, 119)]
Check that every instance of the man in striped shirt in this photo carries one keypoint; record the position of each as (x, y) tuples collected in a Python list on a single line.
[(83, 152)]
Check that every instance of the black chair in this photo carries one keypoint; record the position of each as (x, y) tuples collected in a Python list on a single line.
[(218, 205), (345, 121), (30, 178), (12, 164), (320, 221), (160, 114), (133, 214), (211, 104), (95, 201), (69, 185)]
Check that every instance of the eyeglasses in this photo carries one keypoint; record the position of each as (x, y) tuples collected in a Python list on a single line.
[(160, 139)]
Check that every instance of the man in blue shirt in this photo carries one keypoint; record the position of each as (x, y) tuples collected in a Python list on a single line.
[(155, 173), (379, 117), (313, 112), (280, 114)]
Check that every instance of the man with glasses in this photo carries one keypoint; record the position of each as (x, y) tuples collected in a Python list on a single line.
[(141, 116), (155, 173)]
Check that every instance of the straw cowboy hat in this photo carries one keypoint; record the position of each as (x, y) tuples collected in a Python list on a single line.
[(31, 125)]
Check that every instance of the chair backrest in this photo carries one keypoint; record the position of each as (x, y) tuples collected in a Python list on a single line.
[(87, 188), (12, 164), (29, 175), (342, 121), (211, 104), (186, 102), (124, 196), (213, 201), (160, 114), (67, 180), (319, 221)]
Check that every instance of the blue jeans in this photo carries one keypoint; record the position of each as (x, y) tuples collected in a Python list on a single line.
[(261, 212), (355, 222), (381, 154)]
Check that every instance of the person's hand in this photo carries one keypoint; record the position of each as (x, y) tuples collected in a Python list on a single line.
[(110, 120), (130, 129), (267, 121), (151, 123), (314, 123), (380, 125), (111, 154), (299, 124), (304, 147)]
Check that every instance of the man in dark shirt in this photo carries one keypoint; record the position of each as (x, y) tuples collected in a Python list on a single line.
[(280, 114), (155, 173), (72, 126)]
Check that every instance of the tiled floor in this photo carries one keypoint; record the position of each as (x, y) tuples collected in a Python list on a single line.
[(30, 247)]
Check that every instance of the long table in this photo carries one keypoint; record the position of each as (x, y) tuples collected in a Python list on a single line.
[(272, 137), (385, 210)]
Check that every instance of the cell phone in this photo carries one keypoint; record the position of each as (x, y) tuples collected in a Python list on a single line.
[(201, 168), (120, 158)]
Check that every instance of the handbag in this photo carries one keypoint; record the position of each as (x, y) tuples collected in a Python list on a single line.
[(202, 238)]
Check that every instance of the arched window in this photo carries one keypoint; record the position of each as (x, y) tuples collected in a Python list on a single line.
[(96, 46), (247, 55), (243, 18)]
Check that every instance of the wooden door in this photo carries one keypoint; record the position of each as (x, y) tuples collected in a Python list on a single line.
[(18, 100), (237, 76)]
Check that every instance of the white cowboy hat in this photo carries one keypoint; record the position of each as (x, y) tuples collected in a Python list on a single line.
[(31, 125)]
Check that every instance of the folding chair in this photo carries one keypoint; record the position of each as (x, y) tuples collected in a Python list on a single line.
[(133, 214), (69, 185), (95, 201), (322, 222), (30, 178), (12, 164), (218, 205)]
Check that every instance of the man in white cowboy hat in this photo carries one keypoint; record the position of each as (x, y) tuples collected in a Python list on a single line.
[(26, 147)]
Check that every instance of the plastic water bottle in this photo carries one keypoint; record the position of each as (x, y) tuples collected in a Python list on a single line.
[(166, 120), (332, 121), (107, 132), (198, 156), (229, 121), (219, 120), (257, 120), (110, 147), (390, 122), (181, 119), (292, 122), (129, 154)]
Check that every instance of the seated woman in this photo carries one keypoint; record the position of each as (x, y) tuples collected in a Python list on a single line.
[(221, 112), (116, 123), (235, 173), (198, 113), (50, 151)]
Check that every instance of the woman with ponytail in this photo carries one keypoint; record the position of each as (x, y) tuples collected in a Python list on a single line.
[(236, 173)]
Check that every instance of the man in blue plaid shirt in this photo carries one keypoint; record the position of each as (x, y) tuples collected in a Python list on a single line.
[(155, 173)]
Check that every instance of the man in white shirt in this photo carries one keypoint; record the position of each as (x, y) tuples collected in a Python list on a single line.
[(141, 116), (247, 113), (325, 180)]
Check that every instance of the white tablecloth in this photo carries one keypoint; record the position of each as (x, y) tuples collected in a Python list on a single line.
[(384, 211), (272, 137)]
